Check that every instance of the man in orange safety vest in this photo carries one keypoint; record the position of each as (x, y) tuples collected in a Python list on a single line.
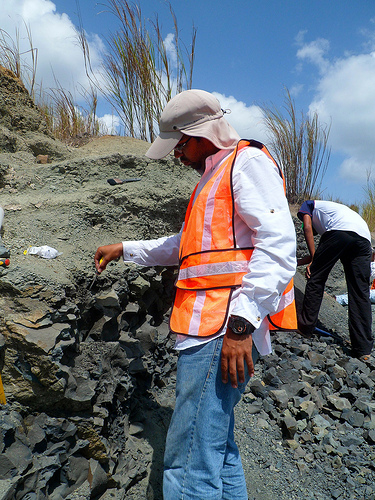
[(236, 257)]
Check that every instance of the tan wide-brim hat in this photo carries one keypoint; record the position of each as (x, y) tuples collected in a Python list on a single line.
[(194, 113)]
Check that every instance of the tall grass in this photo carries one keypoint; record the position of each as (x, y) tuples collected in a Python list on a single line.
[(13, 59), (300, 145), (64, 118), (139, 76), (139, 73), (368, 206)]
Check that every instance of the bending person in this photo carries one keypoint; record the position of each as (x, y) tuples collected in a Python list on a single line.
[(345, 236)]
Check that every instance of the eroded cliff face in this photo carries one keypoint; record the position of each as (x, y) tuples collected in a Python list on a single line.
[(18, 112), (88, 367), (22, 126), (78, 358)]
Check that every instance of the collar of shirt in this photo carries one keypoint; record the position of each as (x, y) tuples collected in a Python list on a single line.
[(214, 160), (211, 163)]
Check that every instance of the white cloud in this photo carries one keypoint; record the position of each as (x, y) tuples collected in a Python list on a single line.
[(314, 52), (345, 99), (296, 90), (357, 169), (170, 47), (110, 124), (53, 35), (247, 120)]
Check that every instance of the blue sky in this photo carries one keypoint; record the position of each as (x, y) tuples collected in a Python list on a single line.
[(246, 53)]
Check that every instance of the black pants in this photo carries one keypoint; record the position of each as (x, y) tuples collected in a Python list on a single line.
[(355, 252)]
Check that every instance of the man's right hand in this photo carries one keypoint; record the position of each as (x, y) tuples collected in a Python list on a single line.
[(105, 254), (308, 272), (236, 351)]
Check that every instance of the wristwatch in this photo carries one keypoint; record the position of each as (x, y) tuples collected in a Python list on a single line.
[(240, 326)]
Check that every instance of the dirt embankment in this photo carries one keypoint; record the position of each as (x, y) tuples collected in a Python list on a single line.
[(89, 372)]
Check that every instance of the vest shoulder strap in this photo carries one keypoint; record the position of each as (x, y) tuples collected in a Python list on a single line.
[(257, 144)]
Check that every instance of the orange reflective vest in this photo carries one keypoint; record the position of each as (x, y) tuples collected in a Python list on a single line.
[(211, 266)]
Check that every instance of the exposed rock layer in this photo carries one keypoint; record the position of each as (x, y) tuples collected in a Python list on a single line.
[(88, 367)]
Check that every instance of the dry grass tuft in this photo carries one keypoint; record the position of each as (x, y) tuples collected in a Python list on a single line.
[(368, 206), (65, 120), (140, 71), (301, 148)]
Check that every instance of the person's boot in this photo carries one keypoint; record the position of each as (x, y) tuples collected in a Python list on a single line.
[(305, 331)]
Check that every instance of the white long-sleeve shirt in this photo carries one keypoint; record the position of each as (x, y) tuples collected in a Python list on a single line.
[(262, 220), (331, 216)]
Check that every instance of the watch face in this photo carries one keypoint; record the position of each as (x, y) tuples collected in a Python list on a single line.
[(239, 326)]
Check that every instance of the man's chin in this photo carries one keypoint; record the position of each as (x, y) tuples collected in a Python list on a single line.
[(194, 165)]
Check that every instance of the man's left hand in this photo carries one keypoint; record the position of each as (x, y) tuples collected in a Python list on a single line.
[(236, 351)]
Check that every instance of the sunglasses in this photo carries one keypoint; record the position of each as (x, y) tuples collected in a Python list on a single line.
[(180, 146)]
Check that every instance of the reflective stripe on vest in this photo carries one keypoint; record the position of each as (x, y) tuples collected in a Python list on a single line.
[(211, 266), (216, 269)]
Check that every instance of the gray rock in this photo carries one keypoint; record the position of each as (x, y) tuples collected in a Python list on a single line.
[(19, 455), (7, 488), (258, 389), (320, 422), (97, 478), (351, 440), (289, 425), (7, 468), (354, 418), (108, 300), (338, 403), (255, 407), (307, 409), (280, 397), (83, 492)]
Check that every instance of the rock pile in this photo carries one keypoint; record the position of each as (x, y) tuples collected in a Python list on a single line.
[(78, 388), (88, 365), (323, 403)]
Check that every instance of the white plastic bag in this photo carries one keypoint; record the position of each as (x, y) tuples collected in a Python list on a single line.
[(44, 251), (342, 299)]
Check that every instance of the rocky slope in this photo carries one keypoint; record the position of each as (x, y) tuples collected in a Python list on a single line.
[(88, 366)]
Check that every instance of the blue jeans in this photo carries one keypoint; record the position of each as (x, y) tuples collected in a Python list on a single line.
[(201, 459)]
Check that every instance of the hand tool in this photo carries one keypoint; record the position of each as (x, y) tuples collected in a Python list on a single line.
[(4, 252), (324, 333), (93, 281), (96, 275), (116, 180)]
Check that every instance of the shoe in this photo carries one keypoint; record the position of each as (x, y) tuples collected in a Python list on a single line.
[(305, 335)]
